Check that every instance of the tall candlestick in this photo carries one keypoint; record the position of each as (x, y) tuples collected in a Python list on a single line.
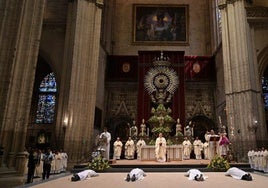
[(220, 119), (147, 131)]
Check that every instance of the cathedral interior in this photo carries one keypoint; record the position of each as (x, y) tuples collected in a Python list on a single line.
[(69, 68)]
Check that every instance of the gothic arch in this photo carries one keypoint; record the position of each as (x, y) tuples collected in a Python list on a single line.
[(263, 61), (201, 124), (263, 71), (46, 58), (119, 127), (43, 68)]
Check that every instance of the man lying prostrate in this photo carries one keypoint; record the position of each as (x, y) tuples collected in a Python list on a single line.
[(195, 174), (238, 174), (135, 174), (86, 174)]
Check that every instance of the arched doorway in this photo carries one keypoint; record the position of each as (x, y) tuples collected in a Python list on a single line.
[(202, 124), (120, 127)]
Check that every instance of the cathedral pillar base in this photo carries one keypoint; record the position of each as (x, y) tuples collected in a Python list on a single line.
[(21, 161)]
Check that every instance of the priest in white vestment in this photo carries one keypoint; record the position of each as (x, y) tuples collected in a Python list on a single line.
[(160, 148), (118, 145), (213, 143), (250, 158), (205, 149), (187, 148), (198, 145), (265, 156), (129, 149), (107, 137), (64, 160), (139, 145), (58, 162)]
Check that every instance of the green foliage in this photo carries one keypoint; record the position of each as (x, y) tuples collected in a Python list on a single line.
[(153, 119), (179, 134), (169, 142), (152, 142), (99, 164), (160, 107), (169, 119), (161, 129), (219, 163)]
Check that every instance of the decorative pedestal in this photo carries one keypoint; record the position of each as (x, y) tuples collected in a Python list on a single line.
[(174, 153)]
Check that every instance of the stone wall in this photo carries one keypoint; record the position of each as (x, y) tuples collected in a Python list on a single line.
[(199, 100)]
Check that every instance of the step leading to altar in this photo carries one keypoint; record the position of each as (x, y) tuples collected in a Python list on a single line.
[(124, 165)]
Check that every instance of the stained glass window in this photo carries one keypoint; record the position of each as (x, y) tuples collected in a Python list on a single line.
[(46, 100), (265, 91)]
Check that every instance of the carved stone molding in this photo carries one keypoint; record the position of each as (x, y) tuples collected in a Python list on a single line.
[(199, 101), (99, 3), (223, 3), (222, 6), (122, 101), (231, 1), (257, 17), (257, 12)]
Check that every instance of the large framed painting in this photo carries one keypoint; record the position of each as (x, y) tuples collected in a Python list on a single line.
[(160, 24)]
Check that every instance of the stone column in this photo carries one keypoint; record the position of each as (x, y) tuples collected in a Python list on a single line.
[(21, 24), (79, 78), (242, 88)]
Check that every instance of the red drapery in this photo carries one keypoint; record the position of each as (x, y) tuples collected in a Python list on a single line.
[(206, 68), (184, 66), (145, 61)]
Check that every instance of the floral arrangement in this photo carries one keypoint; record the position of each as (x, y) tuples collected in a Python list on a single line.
[(219, 163), (169, 142), (152, 142), (158, 130), (99, 163)]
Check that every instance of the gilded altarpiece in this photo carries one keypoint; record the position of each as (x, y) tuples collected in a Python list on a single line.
[(177, 103)]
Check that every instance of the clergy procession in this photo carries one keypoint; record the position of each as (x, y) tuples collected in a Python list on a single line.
[(258, 159), (43, 163)]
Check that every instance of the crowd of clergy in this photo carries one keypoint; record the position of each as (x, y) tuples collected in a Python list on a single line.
[(42, 163), (214, 144), (130, 148), (258, 159)]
